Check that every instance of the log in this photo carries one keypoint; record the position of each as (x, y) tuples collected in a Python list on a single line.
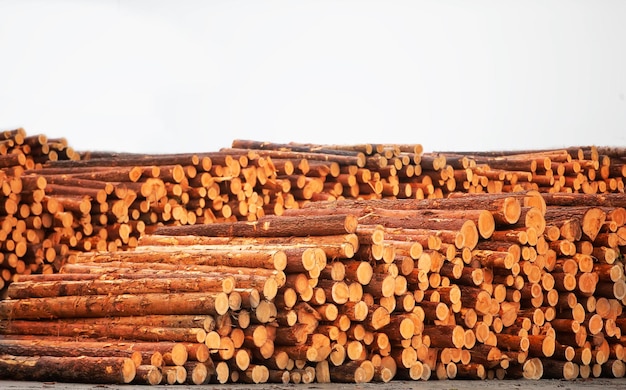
[(134, 270), (267, 259), (467, 228), (174, 374), (591, 219), (448, 336), (504, 208), (82, 369), (587, 200), (614, 369), (120, 305), (77, 327), (483, 219), (46, 347), (20, 290), (176, 353), (270, 227), (556, 369), (350, 372), (147, 374), (197, 373)]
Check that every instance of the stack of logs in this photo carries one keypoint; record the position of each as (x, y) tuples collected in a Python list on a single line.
[(294, 262), (31, 221), (520, 285), (58, 201)]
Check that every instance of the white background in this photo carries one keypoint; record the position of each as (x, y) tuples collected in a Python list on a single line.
[(191, 76)]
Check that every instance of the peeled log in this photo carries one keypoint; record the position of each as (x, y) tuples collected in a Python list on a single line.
[(118, 305), (82, 369), (257, 258), (21, 290), (307, 241), (132, 270)]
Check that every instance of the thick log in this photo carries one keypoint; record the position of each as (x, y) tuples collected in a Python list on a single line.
[(47, 347), (586, 200), (448, 336), (280, 242), (120, 305), (82, 369), (268, 259), (504, 208), (368, 214), (557, 369), (134, 270), (591, 219), (19, 290), (350, 372), (467, 228), (147, 374), (78, 327), (176, 353), (197, 373), (614, 368)]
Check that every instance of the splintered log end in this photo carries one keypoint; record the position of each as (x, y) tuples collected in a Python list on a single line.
[(128, 370), (535, 219), (470, 234), (511, 210), (351, 223), (533, 369), (592, 222), (279, 259), (148, 375), (379, 318), (535, 199), (197, 373)]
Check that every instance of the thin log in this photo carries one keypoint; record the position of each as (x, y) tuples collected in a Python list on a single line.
[(270, 227)]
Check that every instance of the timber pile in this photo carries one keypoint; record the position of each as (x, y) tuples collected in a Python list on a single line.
[(59, 201), (520, 285), (28, 217), (327, 262)]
